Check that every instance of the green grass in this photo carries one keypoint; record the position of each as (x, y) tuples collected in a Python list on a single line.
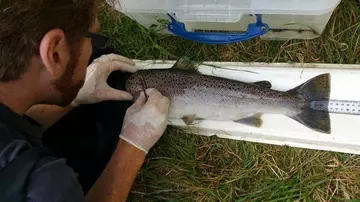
[(187, 167)]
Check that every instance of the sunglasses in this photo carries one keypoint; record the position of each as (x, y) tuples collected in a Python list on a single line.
[(100, 41)]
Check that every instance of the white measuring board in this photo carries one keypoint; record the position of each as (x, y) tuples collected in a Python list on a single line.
[(279, 129)]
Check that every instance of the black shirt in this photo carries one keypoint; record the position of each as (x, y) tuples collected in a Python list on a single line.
[(52, 179)]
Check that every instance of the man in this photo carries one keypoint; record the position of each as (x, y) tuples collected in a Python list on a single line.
[(45, 48)]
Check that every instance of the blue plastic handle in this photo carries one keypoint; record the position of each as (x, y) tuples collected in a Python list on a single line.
[(254, 30)]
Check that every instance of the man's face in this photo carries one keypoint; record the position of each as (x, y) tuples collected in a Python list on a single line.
[(74, 76)]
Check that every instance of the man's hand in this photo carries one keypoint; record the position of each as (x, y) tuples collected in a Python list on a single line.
[(146, 120), (144, 124), (95, 88)]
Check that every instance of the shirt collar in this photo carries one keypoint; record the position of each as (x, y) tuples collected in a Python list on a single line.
[(24, 124)]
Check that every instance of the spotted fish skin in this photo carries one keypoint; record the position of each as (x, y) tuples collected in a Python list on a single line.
[(214, 98)]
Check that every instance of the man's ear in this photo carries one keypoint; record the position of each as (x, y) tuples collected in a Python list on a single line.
[(54, 52)]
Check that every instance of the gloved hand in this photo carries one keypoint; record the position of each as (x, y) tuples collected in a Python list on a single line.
[(146, 121), (95, 88)]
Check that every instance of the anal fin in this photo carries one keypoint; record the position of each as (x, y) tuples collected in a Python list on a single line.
[(254, 120)]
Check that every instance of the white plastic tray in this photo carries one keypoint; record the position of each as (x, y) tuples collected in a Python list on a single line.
[(279, 129)]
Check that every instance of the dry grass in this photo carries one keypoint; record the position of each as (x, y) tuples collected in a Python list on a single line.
[(192, 168), (186, 167)]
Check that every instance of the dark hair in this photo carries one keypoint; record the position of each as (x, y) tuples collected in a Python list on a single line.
[(23, 24)]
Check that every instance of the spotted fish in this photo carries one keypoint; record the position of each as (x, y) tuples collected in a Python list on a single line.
[(196, 96)]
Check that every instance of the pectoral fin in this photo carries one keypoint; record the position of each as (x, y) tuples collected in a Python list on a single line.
[(265, 84), (254, 120), (188, 120)]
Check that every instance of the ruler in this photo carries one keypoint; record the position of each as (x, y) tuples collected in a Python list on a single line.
[(337, 106)]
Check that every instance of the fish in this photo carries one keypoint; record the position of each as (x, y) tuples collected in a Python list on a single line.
[(195, 96)]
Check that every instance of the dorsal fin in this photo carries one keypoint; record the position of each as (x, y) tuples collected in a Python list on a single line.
[(186, 64)]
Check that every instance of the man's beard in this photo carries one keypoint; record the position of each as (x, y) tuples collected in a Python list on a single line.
[(67, 85)]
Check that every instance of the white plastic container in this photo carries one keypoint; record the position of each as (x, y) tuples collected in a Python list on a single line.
[(287, 19)]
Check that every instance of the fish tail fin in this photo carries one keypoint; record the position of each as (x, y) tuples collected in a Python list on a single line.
[(317, 88)]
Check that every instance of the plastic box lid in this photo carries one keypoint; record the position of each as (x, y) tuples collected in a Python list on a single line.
[(224, 10)]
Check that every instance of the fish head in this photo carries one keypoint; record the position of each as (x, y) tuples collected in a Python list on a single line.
[(135, 84)]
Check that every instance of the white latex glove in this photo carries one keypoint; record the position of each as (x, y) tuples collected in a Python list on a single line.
[(95, 88), (146, 121)]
